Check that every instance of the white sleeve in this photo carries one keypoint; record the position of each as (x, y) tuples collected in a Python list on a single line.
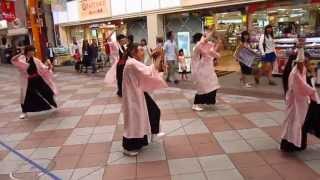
[(261, 48)]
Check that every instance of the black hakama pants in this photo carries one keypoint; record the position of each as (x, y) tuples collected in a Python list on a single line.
[(311, 125), (120, 68), (209, 98), (154, 113), (39, 96)]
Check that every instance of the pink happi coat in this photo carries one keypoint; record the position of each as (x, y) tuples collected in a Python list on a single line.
[(43, 71), (297, 100), (111, 75), (137, 79), (203, 71)]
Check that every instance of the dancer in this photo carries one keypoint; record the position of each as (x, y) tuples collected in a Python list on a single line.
[(139, 110), (297, 122), (37, 86), (203, 71), (118, 52)]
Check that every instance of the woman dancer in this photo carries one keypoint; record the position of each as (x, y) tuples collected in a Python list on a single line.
[(118, 52), (203, 71), (37, 86), (299, 121), (140, 112)]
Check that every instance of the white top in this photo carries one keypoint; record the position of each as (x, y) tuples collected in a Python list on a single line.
[(51, 52), (170, 48), (270, 46), (74, 48)]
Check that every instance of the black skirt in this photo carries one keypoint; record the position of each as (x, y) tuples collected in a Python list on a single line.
[(39, 96), (209, 98), (154, 113), (311, 125), (245, 69)]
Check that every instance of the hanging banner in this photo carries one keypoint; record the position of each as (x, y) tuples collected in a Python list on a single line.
[(8, 10), (93, 9)]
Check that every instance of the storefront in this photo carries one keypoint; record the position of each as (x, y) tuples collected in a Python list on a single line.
[(290, 21)]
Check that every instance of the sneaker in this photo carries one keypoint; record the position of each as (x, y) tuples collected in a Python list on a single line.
[(197, 108), (247, 85), (130, 153), (157, 137), (23, 116)]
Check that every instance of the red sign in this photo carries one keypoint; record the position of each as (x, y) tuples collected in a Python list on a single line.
[(8, 10)]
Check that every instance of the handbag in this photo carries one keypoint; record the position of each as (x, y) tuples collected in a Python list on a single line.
[(247, 56)]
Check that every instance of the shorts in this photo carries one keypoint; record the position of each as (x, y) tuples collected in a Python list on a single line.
[(269, 58)]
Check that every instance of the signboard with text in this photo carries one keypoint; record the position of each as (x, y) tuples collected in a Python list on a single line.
[(92, 9)]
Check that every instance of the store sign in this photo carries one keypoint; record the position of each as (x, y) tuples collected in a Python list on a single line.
[(93, 9), (8, 10)]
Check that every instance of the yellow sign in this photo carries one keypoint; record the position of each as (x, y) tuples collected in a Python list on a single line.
[(209, 21), (93, 9)]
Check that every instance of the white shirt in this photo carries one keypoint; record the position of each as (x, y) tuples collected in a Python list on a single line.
[(270, 46), (170, 48), (51, 52)]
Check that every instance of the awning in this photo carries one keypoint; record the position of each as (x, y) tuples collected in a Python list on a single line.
[(17, 32)]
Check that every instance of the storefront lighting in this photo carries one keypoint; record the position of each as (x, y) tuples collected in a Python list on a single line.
[(282, 9), (109, 23), (121, 22)]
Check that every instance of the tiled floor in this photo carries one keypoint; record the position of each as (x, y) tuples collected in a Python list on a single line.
[(238, 139)]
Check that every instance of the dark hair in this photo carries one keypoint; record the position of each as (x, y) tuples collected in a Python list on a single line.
[(266, 33), (85, 44), (196, 38), (243, 34), (181, 51), (144, 40), (29, 48), (159, 39), (120, 37), (131, 37), (131, 50), (169, 34)]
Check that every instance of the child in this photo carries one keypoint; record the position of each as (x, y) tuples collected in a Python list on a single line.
[(77, 59), (183, 65)]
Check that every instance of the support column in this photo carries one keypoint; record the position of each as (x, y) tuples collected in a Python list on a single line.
[(33, 6), (155, 28)]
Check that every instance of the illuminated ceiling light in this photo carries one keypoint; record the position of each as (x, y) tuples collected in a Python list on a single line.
[(282, 9)]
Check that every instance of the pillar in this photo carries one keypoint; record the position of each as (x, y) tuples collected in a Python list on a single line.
[(155, 28), (33, 6)]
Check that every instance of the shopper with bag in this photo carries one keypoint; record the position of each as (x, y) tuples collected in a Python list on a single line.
[(246, 57)]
